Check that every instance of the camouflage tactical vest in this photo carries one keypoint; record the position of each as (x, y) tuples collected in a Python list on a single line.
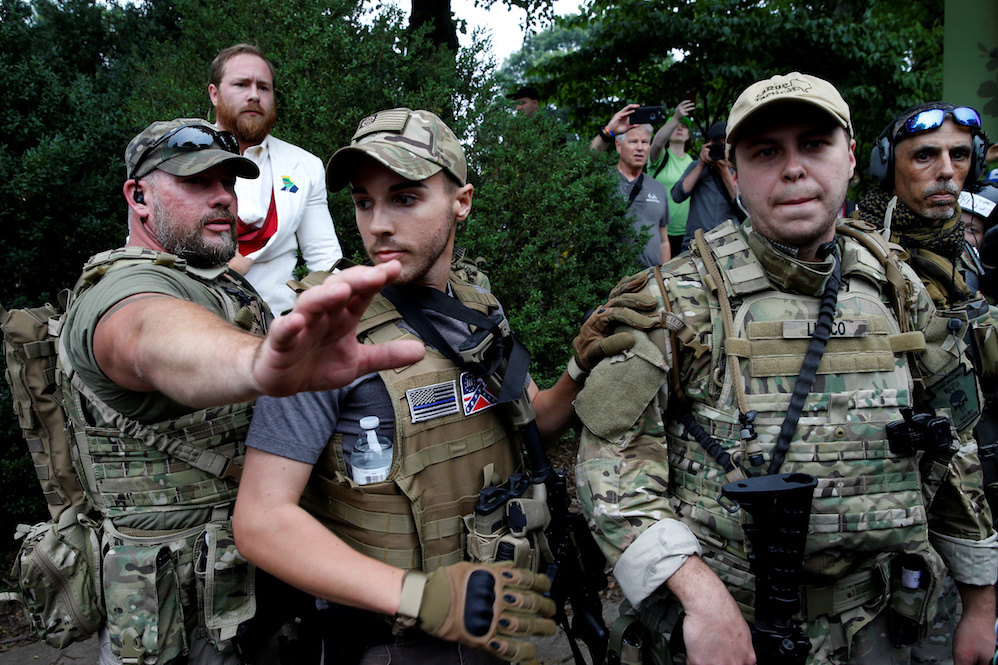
[(414, 519), (868, 500), (123, 475)]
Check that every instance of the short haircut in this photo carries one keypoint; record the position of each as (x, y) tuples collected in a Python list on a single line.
[(218, 64), (646, 126)]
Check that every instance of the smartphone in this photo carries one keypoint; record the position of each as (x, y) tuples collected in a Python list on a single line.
[(646, 114), (690, 96)]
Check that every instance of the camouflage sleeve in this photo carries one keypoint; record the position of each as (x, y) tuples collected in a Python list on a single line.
[(623, 469), (960, 521)]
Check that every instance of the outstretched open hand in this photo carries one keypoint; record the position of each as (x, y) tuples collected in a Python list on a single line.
[(315, 347)]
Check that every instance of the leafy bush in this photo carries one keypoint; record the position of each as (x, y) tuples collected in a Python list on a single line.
[(549, 221)]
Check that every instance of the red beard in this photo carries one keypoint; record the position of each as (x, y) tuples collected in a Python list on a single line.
[(249, 129)]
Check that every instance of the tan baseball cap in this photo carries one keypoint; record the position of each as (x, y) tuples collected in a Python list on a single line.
[(792, 87), (414, 144)]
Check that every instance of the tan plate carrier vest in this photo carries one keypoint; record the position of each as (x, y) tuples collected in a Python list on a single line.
[(413, 520)]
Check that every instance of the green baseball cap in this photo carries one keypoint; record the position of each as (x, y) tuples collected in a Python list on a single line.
[(185, 147), (414, 144)]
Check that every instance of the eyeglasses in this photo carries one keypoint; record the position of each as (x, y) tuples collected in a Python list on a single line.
[(190, 138), (933, 118)]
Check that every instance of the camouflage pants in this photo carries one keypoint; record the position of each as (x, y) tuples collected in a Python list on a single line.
[(871, 645), (937, 645)]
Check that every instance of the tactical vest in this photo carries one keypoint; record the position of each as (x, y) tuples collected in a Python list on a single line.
[(125, 476), (414, 518), (867, 497)]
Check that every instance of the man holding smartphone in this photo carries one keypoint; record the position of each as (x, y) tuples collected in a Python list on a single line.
[(647, 198), (709, 183)]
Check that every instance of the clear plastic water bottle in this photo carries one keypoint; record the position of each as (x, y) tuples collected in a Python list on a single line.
[(372, 454)]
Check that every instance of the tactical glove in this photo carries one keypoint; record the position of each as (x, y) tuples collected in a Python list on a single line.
[(490, 607), (593, 344)]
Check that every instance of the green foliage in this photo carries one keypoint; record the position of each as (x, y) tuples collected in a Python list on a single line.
[(332, 71), (82, 77), (549, 220), (881, 60)]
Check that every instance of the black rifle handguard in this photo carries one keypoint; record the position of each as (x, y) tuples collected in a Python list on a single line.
[(780, 506)]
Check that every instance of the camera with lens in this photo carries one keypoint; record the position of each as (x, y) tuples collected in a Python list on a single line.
[(918, 431), (716, 151)]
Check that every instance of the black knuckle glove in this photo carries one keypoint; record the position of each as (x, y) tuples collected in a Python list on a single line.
[(492, 607)]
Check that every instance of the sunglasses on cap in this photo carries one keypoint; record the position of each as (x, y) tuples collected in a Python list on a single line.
[(933, 118), (190, 138)]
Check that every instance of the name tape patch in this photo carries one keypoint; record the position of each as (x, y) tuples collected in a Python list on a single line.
[(795, 329)]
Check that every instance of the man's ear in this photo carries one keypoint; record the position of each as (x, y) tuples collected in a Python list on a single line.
[(135, 197), (213, 94), (852, 158), (462, 202)]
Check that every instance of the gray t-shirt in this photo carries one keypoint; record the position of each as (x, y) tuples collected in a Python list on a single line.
[(709, 202), (299, 427), (649, 212)]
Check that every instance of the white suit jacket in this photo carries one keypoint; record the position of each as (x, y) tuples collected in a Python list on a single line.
[(303, 221)]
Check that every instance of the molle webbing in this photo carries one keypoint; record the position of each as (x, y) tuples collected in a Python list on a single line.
[(899, 290), (126, 475), (769, 353), (413, 520), (190, 461)]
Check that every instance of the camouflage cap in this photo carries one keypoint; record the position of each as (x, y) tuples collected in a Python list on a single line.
[(414, 144), (184, 147), (792, 87)]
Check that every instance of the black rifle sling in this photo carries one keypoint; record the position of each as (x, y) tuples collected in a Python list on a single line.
[(665, 160), (816, 349), (636, 189), (410, 301)]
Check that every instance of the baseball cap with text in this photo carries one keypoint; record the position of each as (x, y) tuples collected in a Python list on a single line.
[(414, 144), (185, 147), (792, 87)]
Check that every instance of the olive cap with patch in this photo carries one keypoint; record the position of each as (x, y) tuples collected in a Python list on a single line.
[(792, 87), (185, 147), (414, 144)]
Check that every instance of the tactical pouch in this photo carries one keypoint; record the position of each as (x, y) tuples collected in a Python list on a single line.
[(481, 546), (145, 613), (913, 601), (56, 573), (225, 585)]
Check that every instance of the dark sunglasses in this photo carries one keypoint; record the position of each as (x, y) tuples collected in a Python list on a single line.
[(933, 118), (190, 138)]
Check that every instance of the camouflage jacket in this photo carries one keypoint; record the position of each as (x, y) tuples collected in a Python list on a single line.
[(649, 490)]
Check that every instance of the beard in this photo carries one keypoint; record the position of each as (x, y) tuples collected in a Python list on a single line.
[(417, 261), (940, 213), (189, 244), (249, 129)]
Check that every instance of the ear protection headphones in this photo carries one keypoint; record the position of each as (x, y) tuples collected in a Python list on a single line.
[(882, 155)]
